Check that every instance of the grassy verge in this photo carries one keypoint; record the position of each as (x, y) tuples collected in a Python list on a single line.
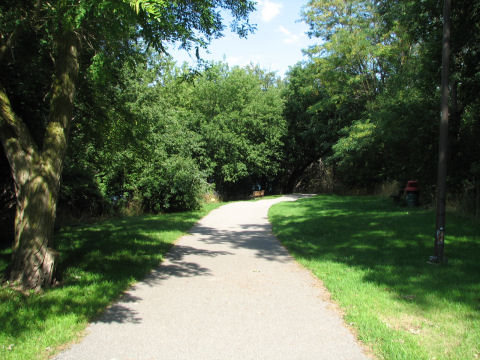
[(97, 263), (371, 255)]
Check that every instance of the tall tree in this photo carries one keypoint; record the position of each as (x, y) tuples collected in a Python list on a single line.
[(443, 137), (67, 33), (312, 129), (239, 114), (352, 61)]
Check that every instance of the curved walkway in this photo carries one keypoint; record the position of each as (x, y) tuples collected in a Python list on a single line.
[(228, 290)]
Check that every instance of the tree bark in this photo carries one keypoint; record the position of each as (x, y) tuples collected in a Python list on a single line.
[(36, 172), (294, 177), (439, 243), (33, 258)]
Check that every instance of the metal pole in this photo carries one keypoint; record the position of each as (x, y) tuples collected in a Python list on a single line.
[(443, 139)]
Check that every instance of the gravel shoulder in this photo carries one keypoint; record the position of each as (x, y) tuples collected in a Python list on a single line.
[(228, 290)]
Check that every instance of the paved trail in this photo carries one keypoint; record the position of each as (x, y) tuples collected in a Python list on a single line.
[(228, 290)]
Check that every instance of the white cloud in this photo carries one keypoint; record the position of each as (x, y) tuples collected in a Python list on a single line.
[(269, 9), (289, 37), (283, 30)]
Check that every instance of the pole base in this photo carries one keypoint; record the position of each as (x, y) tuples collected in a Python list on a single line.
[(435, 260)]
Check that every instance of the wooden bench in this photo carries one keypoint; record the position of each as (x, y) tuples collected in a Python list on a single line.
[(258, 193)]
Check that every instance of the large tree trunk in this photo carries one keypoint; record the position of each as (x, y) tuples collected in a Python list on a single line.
[(33, 257), (36, 172)]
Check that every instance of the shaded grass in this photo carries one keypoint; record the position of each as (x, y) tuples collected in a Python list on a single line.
[(5, 257), (97, 263), (371, 255)]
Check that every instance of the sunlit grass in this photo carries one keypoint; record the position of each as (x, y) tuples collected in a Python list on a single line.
[(372, 256), (97, 263)]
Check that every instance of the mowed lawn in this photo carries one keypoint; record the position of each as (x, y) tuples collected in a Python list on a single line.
[(97, 263), (372, 256)]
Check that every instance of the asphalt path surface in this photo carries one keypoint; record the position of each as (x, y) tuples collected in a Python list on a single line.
[(228, 290)]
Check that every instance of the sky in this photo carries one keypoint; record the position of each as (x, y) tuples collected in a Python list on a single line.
[(276, 44)]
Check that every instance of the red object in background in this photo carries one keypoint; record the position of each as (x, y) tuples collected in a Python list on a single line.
[(412, 185)]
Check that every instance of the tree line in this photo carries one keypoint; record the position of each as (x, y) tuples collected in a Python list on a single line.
[(169, 136), (368, 101), (145, 134)]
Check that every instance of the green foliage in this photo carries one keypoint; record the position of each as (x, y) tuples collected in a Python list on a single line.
[(80, 194), (375, 74), (144, 151), (309, 115), (356, 150), (239, 115), (165, 133), (372, 257), (176, 184)]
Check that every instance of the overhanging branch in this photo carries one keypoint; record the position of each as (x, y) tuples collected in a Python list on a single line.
[(16, 140)]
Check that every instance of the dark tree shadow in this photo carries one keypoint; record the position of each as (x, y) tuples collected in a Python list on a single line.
[(118, 313), (258, 238)]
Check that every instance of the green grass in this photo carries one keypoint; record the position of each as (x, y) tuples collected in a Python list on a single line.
[(371, 255), (97, 263)]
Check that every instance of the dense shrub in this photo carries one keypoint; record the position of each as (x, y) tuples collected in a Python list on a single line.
[(80, 195), (175, 184)]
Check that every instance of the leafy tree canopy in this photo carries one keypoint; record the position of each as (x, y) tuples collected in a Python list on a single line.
[(57, 41)]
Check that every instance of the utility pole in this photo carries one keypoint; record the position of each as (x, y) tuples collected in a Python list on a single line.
[(443, 139)]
